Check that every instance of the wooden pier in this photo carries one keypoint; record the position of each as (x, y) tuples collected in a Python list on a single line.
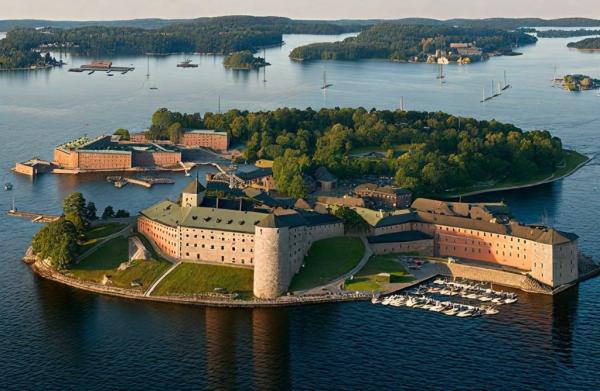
[(33, 216)]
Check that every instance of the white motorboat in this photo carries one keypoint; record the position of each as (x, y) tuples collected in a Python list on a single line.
[(465, 313), (437, 308), (510, 300), (472, 296), (451, 312), (490, 310), (485, 298), (411, 302), (439, 281)]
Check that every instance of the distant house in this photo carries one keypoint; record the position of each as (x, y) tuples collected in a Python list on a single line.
[(261, 178), (325, 179), (388, 196)]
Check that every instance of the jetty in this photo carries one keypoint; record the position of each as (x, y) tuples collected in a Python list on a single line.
[(33, 216), (146, 182), (101, 66)]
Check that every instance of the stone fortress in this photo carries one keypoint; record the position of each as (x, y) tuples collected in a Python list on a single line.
[(253, 230)]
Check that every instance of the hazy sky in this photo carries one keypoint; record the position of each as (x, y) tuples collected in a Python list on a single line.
[(305, 9)]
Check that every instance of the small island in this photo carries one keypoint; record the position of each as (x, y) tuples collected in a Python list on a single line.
[(580, 83), (244, 60), (586, 44)]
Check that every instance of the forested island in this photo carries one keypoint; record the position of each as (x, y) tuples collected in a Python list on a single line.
[(580, 83), (429, 153), (586, 44), (416, 43), (244, 60), (566, 33)]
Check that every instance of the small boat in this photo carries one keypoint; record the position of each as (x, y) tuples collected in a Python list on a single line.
[(472, 296), (439, 281), (91, 72), (375, 300), (109, 74), (438, 308), (510, 300), (187, 173), (465, 313), (187, 63), (490, 310), (485, 298), (451, 312), (8, 186)]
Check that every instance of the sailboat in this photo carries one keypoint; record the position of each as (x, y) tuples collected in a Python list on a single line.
[(506, 85), (485, 98), (494, 94), (325, 84)]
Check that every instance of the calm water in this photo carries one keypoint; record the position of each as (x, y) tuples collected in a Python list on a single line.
[(55, 337)]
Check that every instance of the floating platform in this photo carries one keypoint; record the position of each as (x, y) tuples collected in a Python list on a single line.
[(33, 216), (91, 69)]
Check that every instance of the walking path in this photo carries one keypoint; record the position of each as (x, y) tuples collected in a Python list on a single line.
[(159, 279)]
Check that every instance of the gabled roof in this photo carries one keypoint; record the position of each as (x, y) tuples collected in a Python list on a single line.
[(322, 174), (254, 174), (194, 187)]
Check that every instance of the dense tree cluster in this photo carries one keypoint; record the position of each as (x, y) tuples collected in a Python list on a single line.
[(205, 35), (56, 241), (22, 56), (244, 60), (440, 151), (401, 42)]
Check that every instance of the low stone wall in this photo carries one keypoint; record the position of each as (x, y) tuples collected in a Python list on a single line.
[(209, 299), (477, 273)]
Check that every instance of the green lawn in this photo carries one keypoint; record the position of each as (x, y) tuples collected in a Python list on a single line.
[(106, 259), (365, 279), (94, 234), (192, 278), (328, 259)]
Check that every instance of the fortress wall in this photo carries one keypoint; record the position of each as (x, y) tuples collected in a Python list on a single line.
[(89, 160), (164, 237), (476, 273), (565, 260), (423, 247), (66, 159), (217, 246), (391, 229)]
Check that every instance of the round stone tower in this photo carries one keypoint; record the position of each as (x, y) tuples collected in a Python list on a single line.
[(271, 269)]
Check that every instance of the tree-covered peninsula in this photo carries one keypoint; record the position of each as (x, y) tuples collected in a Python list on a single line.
[(414, 42), (566, 33), (244, 60), (20, 55), (429, 153), (586, 44), (204, 35)]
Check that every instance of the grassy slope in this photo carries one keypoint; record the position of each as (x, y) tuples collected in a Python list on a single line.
[(191, 278), (94, 234), (364, 280), (328, 259), (572, 160), (106, 260)]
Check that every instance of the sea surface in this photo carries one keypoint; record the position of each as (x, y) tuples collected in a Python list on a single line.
[(55, 337)]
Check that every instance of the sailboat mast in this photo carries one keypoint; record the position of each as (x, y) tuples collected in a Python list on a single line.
[(148, 67), (265, 65), (324, 79), (505, 83)]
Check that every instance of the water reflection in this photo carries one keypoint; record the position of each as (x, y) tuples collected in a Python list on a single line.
[(564, 317), (270, 348)]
